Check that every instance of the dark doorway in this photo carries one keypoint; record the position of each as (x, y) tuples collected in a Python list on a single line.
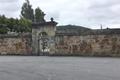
[(43, 44)]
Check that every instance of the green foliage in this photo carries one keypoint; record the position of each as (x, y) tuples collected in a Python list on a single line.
[(39, 15), (3, 29), (24, 23), (73, 29), (14, 25), (27, 11)]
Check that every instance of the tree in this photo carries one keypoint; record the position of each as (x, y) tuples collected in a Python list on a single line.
[(24, 25), (39, 15), (3, 29), (27, 11), (3, 19), (14, 25), (3, 26)]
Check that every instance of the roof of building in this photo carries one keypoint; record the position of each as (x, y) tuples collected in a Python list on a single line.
[(37, 25), (16, 35)]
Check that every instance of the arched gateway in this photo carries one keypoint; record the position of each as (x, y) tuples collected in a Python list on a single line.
[(43, 37)]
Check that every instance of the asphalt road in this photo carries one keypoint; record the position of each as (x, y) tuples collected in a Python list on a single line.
[(59, 68)]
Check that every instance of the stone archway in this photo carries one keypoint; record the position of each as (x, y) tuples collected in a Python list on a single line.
[(43, 44), (43, 32)]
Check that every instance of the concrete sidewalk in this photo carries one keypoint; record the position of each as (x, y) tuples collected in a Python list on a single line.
[(58, 68)]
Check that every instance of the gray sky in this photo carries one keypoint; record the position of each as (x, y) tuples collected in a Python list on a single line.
[(88, 13)]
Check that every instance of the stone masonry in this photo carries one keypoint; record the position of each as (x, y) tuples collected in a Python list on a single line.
[(89, 45), (15, 44), (47, 39)]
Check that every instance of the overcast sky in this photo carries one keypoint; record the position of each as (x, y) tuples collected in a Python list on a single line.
[(88, 13)]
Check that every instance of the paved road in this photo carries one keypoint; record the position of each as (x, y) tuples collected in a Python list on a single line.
[(59, 68)]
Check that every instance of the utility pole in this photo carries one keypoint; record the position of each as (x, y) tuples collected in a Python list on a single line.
[(101, 26)]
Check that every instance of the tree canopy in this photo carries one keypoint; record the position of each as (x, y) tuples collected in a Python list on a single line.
[(14, 25), (39, 15), (27, 11), (28, 15)]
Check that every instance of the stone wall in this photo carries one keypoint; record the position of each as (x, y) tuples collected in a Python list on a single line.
[(39, 39), (15, 44), (89, 45)]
